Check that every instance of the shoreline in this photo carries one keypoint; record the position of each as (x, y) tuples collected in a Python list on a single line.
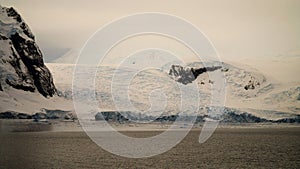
[(13, 125)]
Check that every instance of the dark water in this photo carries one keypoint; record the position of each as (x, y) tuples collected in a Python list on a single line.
[(227, 148)]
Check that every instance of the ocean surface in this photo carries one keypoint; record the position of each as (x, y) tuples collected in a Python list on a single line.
[(259, 147)]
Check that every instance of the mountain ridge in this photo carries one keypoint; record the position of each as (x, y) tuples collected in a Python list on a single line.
[(22, 66)]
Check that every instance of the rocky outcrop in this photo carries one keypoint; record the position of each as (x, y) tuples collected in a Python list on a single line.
[(14, 115), (229, 115), (295, 119), (111, 116), (252, 84), (232, 117), (188, 75), (8, 115), (56, 114), (44, 114), (169, 118), (21, 61)]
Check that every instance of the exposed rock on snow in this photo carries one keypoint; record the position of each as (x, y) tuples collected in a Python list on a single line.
[(40, 115), (8, 115), (44, 114), (188, 75), (289, 120), (252, 84), (58, 114), (268, 100), (230, 115), (111, 116), (14, 115), (21, 61)]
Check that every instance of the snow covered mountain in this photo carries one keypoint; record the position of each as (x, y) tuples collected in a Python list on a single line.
[(247, 90), (26, 84), (22, 66)]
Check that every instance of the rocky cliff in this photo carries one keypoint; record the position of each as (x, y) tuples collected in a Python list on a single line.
[(21, 61)]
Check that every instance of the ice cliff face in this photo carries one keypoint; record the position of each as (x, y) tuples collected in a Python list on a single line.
[(21, 61)]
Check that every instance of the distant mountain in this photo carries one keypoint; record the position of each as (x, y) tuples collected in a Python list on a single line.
[(21, 61), (248, 91), (69, 57), (53, 53), (229, 116)]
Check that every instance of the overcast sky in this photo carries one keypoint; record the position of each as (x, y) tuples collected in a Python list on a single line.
[(238, 29)]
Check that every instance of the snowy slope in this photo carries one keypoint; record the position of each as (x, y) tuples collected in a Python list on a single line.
[(147, 86)]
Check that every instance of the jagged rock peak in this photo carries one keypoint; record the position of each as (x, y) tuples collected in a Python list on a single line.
[(21, 61)]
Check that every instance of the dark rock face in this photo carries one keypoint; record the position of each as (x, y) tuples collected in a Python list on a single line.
[(45, 114), (196, 72), (188, 75), (232, 117), (252, 84), (39, 115), (33, 60), (24, 116), (296, 119), (14, 115), (11, 12), (298, 98), (181, 74), (111, 116), (21, 78), (170, 118), (8, 115), (26, 69), (58, 114)]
